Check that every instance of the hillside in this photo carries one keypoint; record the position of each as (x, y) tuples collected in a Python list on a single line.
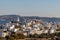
[(8, 18)]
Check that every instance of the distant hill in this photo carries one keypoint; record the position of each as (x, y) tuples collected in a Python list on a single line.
[(48, 19), (8, 18)]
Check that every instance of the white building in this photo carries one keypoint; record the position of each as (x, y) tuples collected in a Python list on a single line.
[(32, 32), (12, 27), (39, 32), (49, 25), (16, 29), (3, 33), (52, 31), (45, 31)]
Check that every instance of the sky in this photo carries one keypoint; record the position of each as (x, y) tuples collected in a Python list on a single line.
[(42, 8)]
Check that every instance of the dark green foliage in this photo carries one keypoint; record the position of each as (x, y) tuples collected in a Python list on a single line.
[(15, 36)]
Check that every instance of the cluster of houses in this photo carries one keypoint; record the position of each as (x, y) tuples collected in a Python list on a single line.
[(31, 27)]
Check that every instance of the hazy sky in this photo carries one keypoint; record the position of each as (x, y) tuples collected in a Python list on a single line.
[(47, 8)]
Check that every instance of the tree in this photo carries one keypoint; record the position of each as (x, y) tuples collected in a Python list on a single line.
[(12, 38), (21, 36), (2, 38), (36, 36), (7, 37)]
